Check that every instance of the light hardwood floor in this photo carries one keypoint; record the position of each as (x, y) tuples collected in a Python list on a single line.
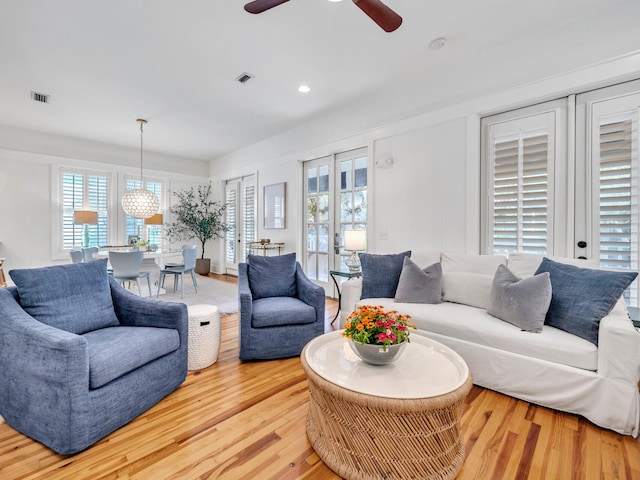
[(237, 420)]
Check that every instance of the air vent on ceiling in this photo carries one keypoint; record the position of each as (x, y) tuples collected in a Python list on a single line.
[(244, 78), (40, 97)]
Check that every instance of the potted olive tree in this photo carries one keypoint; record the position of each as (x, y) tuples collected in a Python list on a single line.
[(196, 215)]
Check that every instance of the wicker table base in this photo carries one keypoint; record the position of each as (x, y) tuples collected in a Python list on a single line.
[(361, 436)]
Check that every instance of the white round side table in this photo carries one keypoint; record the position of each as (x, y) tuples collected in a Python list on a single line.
[(204, 335)]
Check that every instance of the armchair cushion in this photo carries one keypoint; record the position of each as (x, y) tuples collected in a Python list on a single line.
[(272, 276), (278, 311), (74, 297), (115, 351)]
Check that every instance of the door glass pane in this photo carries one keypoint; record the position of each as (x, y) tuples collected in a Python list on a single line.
[(323, 266), (312, 238), (345, 175), (360, 206), (323, 180), (323, 208), (360, 172), (323, 238), (312, 180), (312, 265)]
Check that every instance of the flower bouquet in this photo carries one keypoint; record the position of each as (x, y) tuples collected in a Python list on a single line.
[(372, 325)]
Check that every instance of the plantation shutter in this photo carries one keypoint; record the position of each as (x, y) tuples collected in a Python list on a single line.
[(84, 191), (520, 181), (248, 216), (231, 220), (618, 217)]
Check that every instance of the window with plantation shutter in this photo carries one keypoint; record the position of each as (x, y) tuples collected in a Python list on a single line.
[(240, 196), (618, 213), (230, 238), (83, 190), (135, 227), (519, 178), (612, 221)]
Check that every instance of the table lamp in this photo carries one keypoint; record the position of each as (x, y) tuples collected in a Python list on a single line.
[(86, 218), (354, 241)]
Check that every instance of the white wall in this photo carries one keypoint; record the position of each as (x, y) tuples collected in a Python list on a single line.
[(430, 196), (26, 208)]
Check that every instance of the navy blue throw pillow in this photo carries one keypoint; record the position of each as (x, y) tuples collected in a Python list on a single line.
[(381, 273), (272, 276), (581, 297)]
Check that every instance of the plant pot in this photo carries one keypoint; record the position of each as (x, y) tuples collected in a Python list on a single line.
[(203, 266), (377, 354)]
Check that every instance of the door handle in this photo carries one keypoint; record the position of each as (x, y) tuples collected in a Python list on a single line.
[(336, 243)]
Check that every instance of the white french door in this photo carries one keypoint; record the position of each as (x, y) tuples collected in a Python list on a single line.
[(607, 165), (335, 196), (240, 197)]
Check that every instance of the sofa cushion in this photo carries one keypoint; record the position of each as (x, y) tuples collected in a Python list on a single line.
[(116, 351), (581, 297), (272, 276), (278, 311), (380, 274), (523, 303), (468, 279), (419, 286), (74, 297)]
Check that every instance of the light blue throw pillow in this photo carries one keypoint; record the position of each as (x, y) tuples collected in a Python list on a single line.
[(521, 302), (74, 297), (272, 276), (380, 274), (581, 297)]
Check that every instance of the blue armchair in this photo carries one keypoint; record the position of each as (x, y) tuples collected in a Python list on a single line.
[(80, 356), (280, 308)]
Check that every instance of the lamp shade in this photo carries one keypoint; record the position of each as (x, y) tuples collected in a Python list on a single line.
[(154, 220), (81, 217), (355, 240), (140, 203)]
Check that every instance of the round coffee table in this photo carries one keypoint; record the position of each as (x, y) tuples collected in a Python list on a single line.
[(393, 421)]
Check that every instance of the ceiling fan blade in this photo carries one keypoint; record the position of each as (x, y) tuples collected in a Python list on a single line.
[(259, 6), (386, 18)]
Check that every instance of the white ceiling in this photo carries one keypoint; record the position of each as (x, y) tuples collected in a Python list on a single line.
[(175, 62)]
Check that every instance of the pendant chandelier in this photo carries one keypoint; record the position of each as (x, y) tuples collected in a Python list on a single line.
[(140, 202)]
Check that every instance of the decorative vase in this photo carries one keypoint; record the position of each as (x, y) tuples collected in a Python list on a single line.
[(378, 354)]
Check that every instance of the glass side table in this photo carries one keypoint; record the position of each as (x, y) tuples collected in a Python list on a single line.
[(344, 274)]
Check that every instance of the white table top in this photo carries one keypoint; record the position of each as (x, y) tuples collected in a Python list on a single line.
[(156, 254), (426, 368)]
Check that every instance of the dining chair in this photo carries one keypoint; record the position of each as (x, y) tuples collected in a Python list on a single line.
[(189, 254), (126, 267), (87, 253), (76, 256)]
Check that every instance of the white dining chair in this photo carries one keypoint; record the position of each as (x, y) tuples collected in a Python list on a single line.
[(87, 253), (189, 254), (76, 256), (126, 268)]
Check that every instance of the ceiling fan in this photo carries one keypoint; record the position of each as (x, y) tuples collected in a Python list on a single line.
[(386, 18)]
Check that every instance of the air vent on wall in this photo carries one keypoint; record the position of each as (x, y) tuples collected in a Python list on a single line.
[(40, 97), (244, 78)]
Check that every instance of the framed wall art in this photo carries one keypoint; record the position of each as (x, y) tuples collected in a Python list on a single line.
[(274, 205)]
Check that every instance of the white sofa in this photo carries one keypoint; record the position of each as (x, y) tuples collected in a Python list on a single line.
[(553, 368)]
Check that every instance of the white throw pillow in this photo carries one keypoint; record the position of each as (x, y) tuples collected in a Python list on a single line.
[(468, 278)]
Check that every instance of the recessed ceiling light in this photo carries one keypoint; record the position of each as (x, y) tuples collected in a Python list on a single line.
[(304, 89), (335, 1)]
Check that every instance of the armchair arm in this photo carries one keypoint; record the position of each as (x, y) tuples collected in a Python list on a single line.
[(310, 293), (43, 371), (245, 299), (133, 310)]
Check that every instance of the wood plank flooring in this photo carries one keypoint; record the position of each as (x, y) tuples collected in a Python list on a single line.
[(238, 420)]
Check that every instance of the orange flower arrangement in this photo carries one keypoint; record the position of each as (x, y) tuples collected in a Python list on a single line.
[(372, 325)]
